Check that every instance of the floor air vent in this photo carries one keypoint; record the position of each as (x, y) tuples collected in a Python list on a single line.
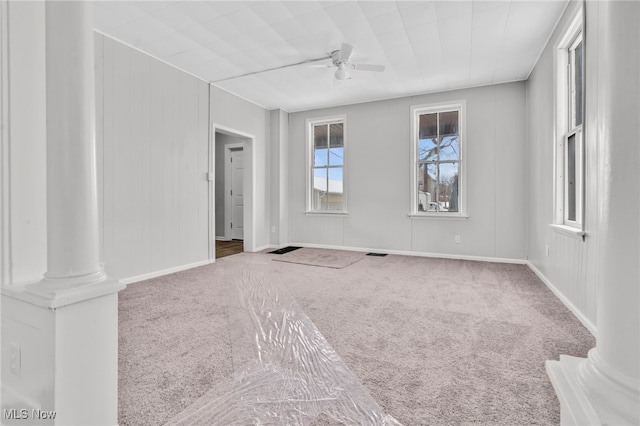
[(377, 254), (284, 250)]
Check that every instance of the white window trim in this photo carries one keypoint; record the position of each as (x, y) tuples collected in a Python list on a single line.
[(569, 231), (416, 110), (309, 165), (562, 111)]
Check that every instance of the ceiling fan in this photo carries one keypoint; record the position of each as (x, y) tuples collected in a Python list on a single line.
[(341, 60)]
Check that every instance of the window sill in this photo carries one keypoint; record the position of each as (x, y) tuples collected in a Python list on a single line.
[(569, 231), (327, 213), (438, 216)]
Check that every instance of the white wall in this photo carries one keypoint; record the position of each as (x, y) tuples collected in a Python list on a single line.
[(571, 266), (25, 188), (378, 178), (153, 134), (24, 206), (279, 183), (153, 157), (236, 114)]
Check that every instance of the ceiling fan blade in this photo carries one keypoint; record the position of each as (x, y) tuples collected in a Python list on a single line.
[(345, 52), (320, 66), (367, 67)]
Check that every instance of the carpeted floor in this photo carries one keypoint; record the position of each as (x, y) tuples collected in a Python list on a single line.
[(434, 341), (337, 259)]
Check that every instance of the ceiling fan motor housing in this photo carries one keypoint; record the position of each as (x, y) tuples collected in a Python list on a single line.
[(336, 60)]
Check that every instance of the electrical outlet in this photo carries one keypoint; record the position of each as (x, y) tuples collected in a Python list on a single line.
[(456, 239), (14, 359)]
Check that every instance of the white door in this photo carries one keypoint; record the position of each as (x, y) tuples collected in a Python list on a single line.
[(237, 194)]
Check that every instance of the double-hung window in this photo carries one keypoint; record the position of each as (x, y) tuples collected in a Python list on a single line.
[(569, 167), (438, 160), (326, 184)]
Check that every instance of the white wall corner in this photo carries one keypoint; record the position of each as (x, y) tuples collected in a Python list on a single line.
[(565, 300)]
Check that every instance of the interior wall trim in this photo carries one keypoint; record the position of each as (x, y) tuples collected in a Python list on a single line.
[(414, 253), (268, 246), (155, 274), (576, 312), (137, 49)]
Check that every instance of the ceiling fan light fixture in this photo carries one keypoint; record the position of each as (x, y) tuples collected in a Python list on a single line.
[(341, 73)]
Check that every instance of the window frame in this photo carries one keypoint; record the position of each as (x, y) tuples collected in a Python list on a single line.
[(310, 123), (416, 111), (566, 128)]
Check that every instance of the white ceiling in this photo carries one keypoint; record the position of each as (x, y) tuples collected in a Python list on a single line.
[(426, 46)]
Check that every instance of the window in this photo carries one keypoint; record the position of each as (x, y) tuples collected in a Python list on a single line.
[(438, 160), (569, 168), (326, 190)]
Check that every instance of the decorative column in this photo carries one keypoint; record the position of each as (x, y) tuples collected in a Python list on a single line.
[(73, 311), (605, 387), (72, 203), (74, 271)]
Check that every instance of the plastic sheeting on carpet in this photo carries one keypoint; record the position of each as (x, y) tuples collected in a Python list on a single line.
[(286, 373)]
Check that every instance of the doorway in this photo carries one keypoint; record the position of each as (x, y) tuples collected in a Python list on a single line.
[(234, 191), (227, 248), (231, 202)]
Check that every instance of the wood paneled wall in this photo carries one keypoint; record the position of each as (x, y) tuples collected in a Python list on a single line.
[(377, 179), (568, 264), (153, 154)]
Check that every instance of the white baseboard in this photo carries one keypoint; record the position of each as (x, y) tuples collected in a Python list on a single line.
[(271, 247), (148, 276), (576, 312), (414, 253), (264, 247), (222, 239)]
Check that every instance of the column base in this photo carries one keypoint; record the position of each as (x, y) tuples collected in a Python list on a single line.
[(64, 362), (592, 393), (63, 337), (59, 292)]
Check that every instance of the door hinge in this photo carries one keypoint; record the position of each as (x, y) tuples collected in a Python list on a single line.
[(231, 159), (231, 225), (231, 192)]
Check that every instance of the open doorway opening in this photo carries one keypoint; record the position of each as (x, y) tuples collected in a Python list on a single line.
[(232, 192)]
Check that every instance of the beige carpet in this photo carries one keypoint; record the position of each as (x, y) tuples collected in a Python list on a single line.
[(337, 259), (434, 341), (284, 368)]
